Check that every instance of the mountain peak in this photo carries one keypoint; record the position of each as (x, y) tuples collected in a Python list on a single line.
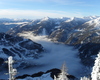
[(45, 18), (94, 21)]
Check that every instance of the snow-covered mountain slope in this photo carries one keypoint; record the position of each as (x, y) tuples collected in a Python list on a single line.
[(21, 50), (87, 32), (87, 38), (80, 32), (48, 24), (56, 54), (53, 57), (83, 33), (95, 23), (56, 28), (6, 24)]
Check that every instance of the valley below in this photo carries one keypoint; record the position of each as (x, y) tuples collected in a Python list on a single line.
[(54, 56), (43, 45)]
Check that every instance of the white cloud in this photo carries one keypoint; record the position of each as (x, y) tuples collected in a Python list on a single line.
[(56, 54), (33, 14)]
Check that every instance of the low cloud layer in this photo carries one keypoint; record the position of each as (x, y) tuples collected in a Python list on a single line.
[(56, 54)]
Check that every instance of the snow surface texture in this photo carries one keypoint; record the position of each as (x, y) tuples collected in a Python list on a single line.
[(54, 56), (95, 75)]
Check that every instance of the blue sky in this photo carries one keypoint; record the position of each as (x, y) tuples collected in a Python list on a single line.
[(32, 9)]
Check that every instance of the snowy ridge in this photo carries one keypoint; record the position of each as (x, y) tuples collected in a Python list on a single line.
[(43, 77), (95, 21), (6, 24), (82, 33), (91, 17), (72, 31), (48, 23), (45, 19)]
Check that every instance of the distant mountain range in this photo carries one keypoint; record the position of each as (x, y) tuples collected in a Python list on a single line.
[(6, 23), (83, 33)]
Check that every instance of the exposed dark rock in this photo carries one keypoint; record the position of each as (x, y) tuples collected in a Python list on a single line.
[(37, 74), (30, 45), (9, 53), (53, 72), (18, 48), (88, 53), (22, 77), (1, 61)]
